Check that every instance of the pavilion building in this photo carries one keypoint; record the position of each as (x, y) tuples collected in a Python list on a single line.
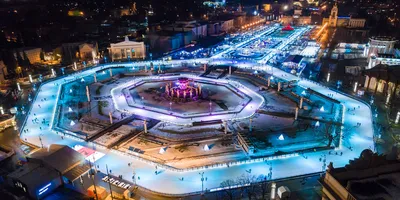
[(127, 50), (383, 78)]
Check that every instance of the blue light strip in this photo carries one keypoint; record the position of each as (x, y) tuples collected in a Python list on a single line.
[(44, 189)]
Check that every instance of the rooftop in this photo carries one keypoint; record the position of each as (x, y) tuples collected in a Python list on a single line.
[(371, 176), (51, 156), (34, 174)]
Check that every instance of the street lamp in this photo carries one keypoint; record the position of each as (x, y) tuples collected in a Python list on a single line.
[(202, 181), (355, 87), (285, 7), (40, 139)]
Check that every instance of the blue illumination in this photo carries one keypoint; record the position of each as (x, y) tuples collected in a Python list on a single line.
[(44, 189), (40, 193)]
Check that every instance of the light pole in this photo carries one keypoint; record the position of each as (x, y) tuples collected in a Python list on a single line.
[(202, 181), (40, 139), (109, 184), (92, 176)]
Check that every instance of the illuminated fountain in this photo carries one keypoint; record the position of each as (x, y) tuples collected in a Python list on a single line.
[(185, 89)]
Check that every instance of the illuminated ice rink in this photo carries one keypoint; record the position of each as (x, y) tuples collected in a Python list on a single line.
[(169, 181)]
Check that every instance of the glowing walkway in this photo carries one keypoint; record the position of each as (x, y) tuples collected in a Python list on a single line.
[(166, 115), (167, 181)]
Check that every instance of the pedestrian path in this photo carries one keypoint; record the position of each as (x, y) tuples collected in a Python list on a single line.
[(166, 181)]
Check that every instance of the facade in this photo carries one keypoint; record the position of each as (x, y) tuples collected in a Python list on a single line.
[(297, 19), (380, 50), (384, 79), (386, 59), (227, 25), (3, 71), (127, 50), (335, 21), (165, 41), (369, 177), (32, 54), (381, 45), (198, 30), (7, 121), (78, 51)]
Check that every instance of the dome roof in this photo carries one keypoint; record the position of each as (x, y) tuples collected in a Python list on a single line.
[(366, 154)]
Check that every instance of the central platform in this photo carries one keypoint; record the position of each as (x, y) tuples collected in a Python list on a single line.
[(207, 100)]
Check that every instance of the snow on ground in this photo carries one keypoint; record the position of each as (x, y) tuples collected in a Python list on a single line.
[(169, 181)]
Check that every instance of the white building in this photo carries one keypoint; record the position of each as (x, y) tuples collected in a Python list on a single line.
[(386, 59), (381, 45), (127, 50), (380, 50)]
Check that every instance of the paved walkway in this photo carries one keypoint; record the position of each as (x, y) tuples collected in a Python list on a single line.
[(167, 181)]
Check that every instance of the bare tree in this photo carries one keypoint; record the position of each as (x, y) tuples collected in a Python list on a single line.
[(263, 185), (248, 182), (228, 184), (329, 131)]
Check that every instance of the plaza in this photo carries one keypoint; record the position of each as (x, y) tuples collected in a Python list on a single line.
[(160, 136)]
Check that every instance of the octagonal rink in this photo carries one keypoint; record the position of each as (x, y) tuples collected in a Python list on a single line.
[(224, 100)]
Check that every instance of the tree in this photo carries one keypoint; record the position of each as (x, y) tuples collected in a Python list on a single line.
[(263, 185), (20, 60), (103, 104), (329, 131), (42, 56), (249, 181), (229, 192), (27, 62)]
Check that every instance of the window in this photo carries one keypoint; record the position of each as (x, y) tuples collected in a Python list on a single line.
[(122, 53), (133, 53)]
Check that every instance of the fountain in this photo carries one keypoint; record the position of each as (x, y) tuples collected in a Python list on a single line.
[(184, 89)]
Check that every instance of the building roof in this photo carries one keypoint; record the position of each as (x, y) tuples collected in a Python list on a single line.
[(76, 172), (371, 176), (126, 42), (287, 28), (384, 38), (390, 73), (294, 58), (34, 175), (60, 157)]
